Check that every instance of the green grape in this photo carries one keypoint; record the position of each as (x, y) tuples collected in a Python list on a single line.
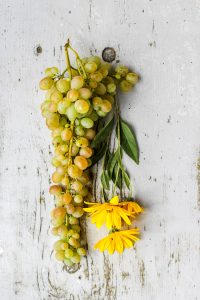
[(55, 190), (101, 113), (95, 59), (81, 251), (84, 178), (81, 162), (56, 96), (85, 93), (106, 106), (97, 76), (78, 212), (46, 83), (125, 86), (81, 106), (62, 231), (70, 208), (104, 71), (51, 71), (73, 220), (76, 227), (86, 152), (64, 162), (74, 171), (74, 243), (87, 123), (45, 105), (84, 192), (132, 78), (65, 181), (111, 88), (60, 255), (58, 213), (66, 134), (69, 253), (55, 162), (63, 85), (82, 142), (62, 107), (77, 186), (58, 201), (109, 98), (101, 89), (71, 113), (94, 116), (61, 170), (56, 177), (84, 60), (78, 199), (52, 121), (108, 80), (57, 132), (54, 230), (90, 67), (77, 82), (64, 148), (66, 198), (90, 133), (73, 95), (64, 246), (121, 70), (60, 157), (68, 262), (93, 84), (76, 235), (79, 130), (63, 121), (56, 140), (75, 150)]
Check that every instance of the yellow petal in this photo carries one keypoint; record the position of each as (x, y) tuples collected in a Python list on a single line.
[(124, 216), (118, 243), (111, 247), (117, 220), (109, 222), (127, 243), (114, 200)]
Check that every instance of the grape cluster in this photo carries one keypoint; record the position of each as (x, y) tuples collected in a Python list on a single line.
[(72, 108)]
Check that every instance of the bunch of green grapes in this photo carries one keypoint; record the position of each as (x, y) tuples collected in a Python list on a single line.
[(72, 108)]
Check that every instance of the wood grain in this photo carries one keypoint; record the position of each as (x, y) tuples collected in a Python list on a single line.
[(160, 40)]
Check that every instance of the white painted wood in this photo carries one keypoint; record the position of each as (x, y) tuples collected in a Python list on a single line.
[(160, 39)]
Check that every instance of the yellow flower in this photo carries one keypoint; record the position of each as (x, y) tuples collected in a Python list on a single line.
[(118, 241), (111, 213)]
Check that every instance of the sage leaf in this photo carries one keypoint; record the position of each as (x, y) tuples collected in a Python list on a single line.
[(126, 179), (129, 141), (103, 134), (99, 153), (105, 180)]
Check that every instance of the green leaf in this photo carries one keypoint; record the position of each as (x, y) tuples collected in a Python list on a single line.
[(111, 164), (129, 141), (103, 134), (117, 176), (105, 180), (98, 154), (126, 179)]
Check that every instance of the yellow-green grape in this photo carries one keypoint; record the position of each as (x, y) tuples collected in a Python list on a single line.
[(56, 96), (73, 221), (84, 60), (64, 246), (100, 89), (74, 72), (104, 71), (125, 86), (78, 212), (109, 98), (60, 157), (111, 88), (54, 230), (71, 113), (84, 192), (73, 95), (76, 258), (84, 178), (101, 113), (68, 262), (79, 130), (51, 71), (81, 251), (56, 177), (63, 85), (52, 121), (106, 106), (81, 106), (87, 123), (121, 70), (56, 141), (77, 82), (58, 201), (93, 84), (74, 243), (77, 186), (53, 107), (85, 93), (57, 132), (58, 245), (76, 235), (78, 199), (97, 76), (62, 107), (65, 181), (64, 148), (46, 83), (90, 133), (61, 170), (63, 121), (97, 101), (76, 227), (95, 59), (70, 208), (90, 67), (60, 255), (64, 162), (69, 253), (132, 78), (66, 134), (55, 162), (45, 105), (81, 162), (82, 142), (75, 150), (89, 162), (62, 231), (74, 171), (66, 198), (86, 152), (58, 215), (55, 190), (93, 115)]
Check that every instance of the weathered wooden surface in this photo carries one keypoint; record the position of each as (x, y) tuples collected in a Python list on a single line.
[(160, 39)]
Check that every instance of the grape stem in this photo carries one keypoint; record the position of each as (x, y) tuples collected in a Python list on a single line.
[(68, 61)]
